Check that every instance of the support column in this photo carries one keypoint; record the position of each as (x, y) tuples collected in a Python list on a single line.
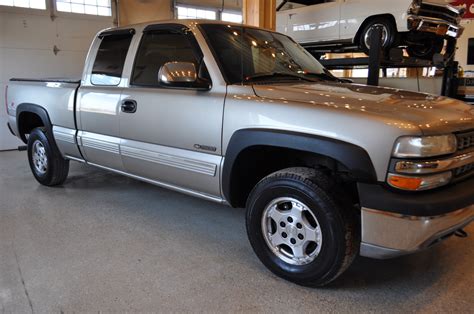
[(133, 12), (260, 13)]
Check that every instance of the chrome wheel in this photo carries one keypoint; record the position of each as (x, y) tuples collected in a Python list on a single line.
[(368, 35), (291, 231), (40, 160)]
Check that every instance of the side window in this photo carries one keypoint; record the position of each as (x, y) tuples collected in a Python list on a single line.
[(158, 48), (110, 59)]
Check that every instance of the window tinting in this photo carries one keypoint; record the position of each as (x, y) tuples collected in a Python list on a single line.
[(156, 49), (245, 53), (110, 59)]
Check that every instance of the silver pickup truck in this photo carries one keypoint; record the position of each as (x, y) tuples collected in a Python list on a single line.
[(246, 117)]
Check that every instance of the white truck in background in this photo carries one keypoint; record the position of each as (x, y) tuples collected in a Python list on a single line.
[(419, 25)]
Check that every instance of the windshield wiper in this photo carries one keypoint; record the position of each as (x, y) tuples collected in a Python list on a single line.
[(264, 76), (324, 76)]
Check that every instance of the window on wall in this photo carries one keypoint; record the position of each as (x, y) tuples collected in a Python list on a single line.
[(470, 51), (193, 13), (31, 4), (92, 7), (231, 17)]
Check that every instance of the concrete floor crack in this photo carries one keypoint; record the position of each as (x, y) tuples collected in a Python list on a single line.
[(23, 280)]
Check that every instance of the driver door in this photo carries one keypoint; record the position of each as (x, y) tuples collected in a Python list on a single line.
[(173, 135)]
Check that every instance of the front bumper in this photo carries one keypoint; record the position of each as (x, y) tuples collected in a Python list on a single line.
[(395, 223), (435, 26), (387, 235)]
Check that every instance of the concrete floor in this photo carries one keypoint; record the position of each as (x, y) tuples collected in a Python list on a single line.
[(103, 242)]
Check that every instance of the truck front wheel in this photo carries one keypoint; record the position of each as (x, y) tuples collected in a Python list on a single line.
[(298, 229), (48, 166)]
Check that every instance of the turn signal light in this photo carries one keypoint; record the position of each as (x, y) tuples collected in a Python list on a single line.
[(420, 183), (405, 183)]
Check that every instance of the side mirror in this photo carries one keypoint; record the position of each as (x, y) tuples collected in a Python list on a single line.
[(181, 75)]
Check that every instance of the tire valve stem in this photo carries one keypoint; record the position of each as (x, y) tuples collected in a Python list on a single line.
[(461, 233)]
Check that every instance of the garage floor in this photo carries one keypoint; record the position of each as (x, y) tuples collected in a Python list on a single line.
[(104, 242)]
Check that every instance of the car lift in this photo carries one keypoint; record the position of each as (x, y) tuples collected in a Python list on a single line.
[(380, 59)]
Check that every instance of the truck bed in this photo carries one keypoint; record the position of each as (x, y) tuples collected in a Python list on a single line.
[(57, 96)]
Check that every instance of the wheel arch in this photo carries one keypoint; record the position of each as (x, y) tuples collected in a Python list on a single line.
[(241, 171), (30, 116)]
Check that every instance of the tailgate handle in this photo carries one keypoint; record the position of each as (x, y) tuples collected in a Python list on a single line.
[(129, 106)]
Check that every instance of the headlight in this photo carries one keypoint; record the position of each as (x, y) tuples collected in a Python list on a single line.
[(414, 7), (424, 146)]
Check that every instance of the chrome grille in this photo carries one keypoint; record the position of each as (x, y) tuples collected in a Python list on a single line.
[(465, 140), (439, 12), (464, 170)]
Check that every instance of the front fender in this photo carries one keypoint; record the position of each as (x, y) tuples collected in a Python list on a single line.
[(353, 157)]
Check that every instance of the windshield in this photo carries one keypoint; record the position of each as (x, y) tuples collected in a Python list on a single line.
[(248, 54)]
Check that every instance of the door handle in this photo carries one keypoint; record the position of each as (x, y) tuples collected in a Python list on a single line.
[(129, 106)]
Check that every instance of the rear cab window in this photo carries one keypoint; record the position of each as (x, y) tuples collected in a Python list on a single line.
[(110, 59)]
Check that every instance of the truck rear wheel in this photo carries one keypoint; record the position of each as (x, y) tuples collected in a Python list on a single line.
[(298, 229), (48, 166)]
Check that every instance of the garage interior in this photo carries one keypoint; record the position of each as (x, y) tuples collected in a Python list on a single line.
[(104, 242)]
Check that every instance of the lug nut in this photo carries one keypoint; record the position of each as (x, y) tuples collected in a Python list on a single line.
[(299, 226), (284, 235), (300, 236), (290, 219), (293, 241), (282, 224)]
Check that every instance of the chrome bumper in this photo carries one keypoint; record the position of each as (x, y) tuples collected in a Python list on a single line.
[(387, 235), (433, 25)]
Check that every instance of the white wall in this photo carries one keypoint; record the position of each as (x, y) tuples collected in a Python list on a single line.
[(27, 38)]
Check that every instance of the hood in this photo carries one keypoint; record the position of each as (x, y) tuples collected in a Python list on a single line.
[(432, 114)]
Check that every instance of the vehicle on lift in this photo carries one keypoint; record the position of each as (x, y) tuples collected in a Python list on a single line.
[(247, 117), (419, 25)]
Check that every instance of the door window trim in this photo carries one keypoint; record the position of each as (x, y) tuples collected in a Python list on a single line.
[(172, 28)]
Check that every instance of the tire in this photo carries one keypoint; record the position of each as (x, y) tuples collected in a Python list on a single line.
[(48, 166), (389, 30), (285, 194), (427, 49)]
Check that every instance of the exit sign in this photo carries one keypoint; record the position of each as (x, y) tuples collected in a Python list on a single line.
[(468, 5)]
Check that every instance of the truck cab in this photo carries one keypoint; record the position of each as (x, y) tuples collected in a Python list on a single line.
[(247, 117)]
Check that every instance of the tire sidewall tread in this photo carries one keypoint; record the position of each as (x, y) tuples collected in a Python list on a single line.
[(313, 188), (58, 167)]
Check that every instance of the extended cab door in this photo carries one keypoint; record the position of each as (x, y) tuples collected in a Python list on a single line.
[(174, 135), (99, 100), (315, 23)]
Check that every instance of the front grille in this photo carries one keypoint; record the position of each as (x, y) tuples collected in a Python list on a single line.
[(465, 140), (464, 171), (438, 12)]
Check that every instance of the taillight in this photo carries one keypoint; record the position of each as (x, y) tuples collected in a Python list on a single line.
[(6, 101)]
